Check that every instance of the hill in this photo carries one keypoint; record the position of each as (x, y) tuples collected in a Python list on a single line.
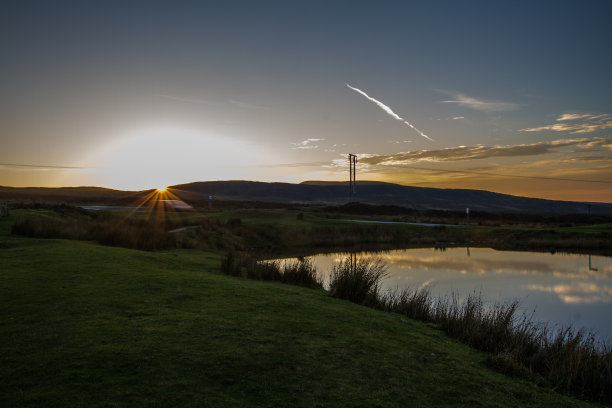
[(379, 193), (128, 328), (316, 192), (72, 195)]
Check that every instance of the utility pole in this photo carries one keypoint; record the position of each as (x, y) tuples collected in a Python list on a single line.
[(352, 174)]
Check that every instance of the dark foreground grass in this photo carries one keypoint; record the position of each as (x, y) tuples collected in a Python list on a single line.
[(82, 325)]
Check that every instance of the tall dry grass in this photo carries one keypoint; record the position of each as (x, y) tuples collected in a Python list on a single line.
[(568, 360), (358, 280), (301, 272)]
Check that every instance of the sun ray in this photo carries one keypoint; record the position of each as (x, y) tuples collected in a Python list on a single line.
[(164, 209)]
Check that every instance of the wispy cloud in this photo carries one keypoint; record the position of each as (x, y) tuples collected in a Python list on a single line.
[(389, 111), (575, 116), (587, 123), (307, 144), (567, 160), (572, 128), (318, 164), (458, 117), (42, 166), (580, 292), (479, 104), (461, 153)]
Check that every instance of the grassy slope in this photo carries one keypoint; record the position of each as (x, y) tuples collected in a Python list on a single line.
[(86, 325)]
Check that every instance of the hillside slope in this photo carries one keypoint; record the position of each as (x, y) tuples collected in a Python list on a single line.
[(128, 328), (315, 192)]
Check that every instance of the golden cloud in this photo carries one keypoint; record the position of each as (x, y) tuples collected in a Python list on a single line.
[(590, 123)]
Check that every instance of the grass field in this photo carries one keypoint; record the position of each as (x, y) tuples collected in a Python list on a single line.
[(293, 231), (84, 325)]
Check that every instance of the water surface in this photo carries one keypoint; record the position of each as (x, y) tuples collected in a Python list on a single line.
[(560, 289)]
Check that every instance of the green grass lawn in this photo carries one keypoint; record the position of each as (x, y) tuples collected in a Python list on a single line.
[(83, 325)]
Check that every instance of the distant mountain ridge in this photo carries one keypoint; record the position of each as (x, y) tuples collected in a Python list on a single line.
[(381, 193), (317, 192)]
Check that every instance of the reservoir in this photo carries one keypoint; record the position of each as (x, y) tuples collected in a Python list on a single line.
[(557, 289)]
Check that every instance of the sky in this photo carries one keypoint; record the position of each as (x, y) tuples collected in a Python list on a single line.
[(512, 97)]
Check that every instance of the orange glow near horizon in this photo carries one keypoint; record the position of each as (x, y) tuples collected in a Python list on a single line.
[(165, 154), (158, 205)]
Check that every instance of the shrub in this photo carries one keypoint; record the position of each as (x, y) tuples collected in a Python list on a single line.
[(264, 270), (234, 222), (358, 280), (231, 264), (135, 234), (301, 273), (53, 228)]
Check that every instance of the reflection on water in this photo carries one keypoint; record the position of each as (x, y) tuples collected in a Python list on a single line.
[(558, 288)]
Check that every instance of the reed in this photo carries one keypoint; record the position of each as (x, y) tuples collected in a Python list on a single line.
[(264, 270), (301, 273), (358, 280), (568, 360), (231, 264)]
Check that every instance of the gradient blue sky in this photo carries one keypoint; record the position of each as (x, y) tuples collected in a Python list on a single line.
[(139, 94)]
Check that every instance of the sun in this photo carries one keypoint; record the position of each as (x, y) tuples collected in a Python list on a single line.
[(167, 155), (161, 189)]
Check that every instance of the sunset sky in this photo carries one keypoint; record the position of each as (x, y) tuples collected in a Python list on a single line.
[(512, 97)]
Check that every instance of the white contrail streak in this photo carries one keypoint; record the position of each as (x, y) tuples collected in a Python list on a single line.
[(389, 111)]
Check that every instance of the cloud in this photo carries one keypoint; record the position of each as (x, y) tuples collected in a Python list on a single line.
[(458, 117), (572, 128), (400, 162), (575, 116), (588, 123), (307, 144), (580, 292), (480, 105), (389, 111), (291, 165), (42, 167), (460, 153)]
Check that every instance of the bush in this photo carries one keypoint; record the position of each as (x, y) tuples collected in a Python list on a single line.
[(231, 264), (234, 223), (53, 228), (358, 280), (135, 234), (301, 273), (264, 270)]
